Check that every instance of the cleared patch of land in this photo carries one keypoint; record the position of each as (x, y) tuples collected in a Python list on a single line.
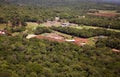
[(60, 37), (105, 13)]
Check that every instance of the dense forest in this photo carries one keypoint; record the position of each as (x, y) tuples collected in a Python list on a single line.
[(98, 22), (59, 2), (22, 57), (86, 33), (70, 12)]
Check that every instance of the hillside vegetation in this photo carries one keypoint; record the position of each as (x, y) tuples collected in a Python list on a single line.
[(20, 57), (35, 57)]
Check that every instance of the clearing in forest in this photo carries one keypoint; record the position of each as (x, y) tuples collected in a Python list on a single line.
[(104, 13)]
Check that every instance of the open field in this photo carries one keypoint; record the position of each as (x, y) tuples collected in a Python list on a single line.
[(105, 13)]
